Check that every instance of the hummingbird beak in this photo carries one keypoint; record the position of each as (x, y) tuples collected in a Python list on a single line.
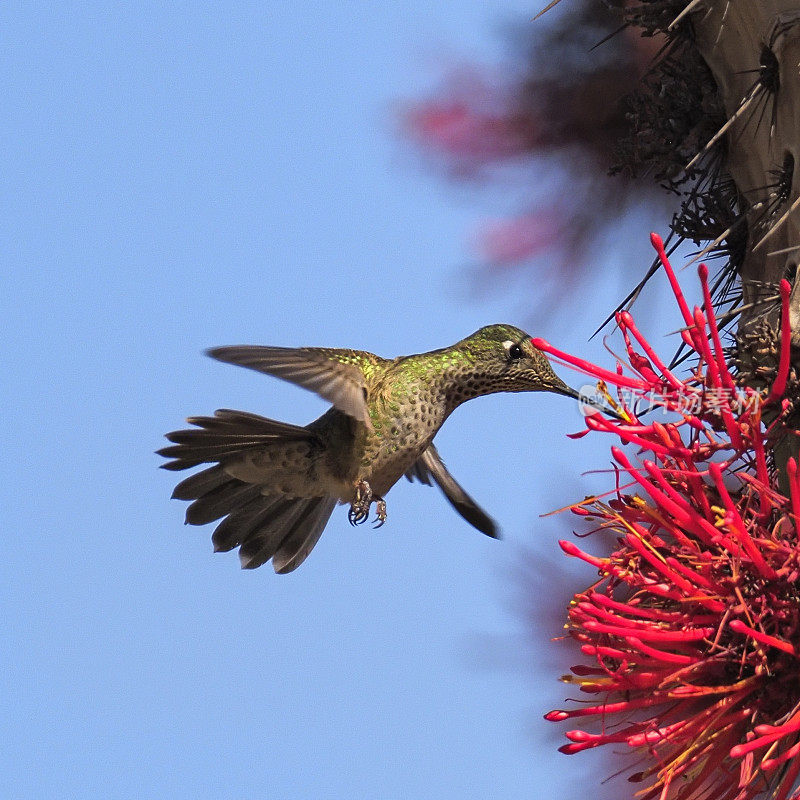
[(586, 400)]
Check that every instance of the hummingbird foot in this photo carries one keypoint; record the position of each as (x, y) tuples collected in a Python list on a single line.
[(380, 513), (359, 508)]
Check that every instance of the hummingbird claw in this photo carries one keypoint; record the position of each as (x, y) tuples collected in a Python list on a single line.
[(380, 513), (359, 509), (356, 517)]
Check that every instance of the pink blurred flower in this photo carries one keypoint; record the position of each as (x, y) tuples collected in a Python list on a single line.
[(507, 242), (552, 116), (471, 123), (692, 630)]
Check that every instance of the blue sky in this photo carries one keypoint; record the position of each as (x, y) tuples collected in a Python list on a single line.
[(178, 176)]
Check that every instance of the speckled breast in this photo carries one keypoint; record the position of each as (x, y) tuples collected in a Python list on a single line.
[(402, 430)]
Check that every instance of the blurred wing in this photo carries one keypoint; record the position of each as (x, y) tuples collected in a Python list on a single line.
[(339, 376), (429, 466)]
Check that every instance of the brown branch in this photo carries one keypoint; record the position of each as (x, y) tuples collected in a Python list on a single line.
[(753, 51)]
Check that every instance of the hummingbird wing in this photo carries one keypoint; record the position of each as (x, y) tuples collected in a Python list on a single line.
[(430, 466), (339, 376)]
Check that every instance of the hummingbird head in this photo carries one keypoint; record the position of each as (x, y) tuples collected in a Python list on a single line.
[(506, 361)]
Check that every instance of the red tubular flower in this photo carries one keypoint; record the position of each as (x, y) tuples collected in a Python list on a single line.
[(692, 630)]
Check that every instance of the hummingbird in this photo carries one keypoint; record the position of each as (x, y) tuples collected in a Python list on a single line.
[(275, 485)]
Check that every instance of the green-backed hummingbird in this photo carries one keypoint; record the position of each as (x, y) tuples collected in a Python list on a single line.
[(276, 484)]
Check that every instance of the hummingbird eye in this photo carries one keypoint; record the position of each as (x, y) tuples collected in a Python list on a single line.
[(515, 352)]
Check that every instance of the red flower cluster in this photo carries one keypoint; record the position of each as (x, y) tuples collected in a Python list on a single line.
[(692, 632)]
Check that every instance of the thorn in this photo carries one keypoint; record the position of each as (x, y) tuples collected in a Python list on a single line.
[(688, 10), (719, 134), (547, 8), (713, 244), (722, 22), (778, 224), (785, 250)]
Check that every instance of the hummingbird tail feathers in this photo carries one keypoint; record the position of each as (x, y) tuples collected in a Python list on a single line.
[(262, 523), (226, 434)]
